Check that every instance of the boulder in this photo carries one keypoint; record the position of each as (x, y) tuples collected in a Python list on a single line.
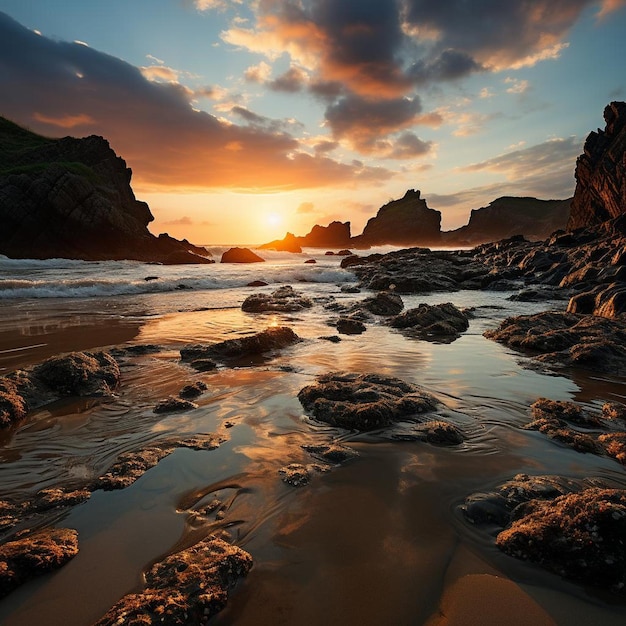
[(185, 588), (36, 554), (240, 255), (364, 401), (427, 321), (384, 303), (350, 326), (284, 300)]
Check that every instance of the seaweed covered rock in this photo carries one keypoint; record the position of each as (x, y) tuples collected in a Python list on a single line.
[(34, 555), (439, 320), (186, 588), (283, 300), (585, 341), (581, 536), (273, 338), (76, 374), (364, 401)]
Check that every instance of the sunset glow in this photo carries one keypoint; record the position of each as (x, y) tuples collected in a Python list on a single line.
[(337, 106)]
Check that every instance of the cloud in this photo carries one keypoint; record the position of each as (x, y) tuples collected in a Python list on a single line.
[(407, 145), (538, 162), (258, 73), (608, 6), (293, 80), (517, 86), (47, 84), (469, 124), (181, 221), (159, 72), (306, 207)]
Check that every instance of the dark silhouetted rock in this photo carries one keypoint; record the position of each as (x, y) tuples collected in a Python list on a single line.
[(601, 173), (173, 404), (257, 283), (34, 555), (364, 401), (335, 235), (383, 303), (350, 326), (274, 338), (288, 244), (184, 589), (240, 255), (284, 300), (193, 390), (407, 221), (508, 216), (439, 320), (311, 261), (331, 338), (71, 198)]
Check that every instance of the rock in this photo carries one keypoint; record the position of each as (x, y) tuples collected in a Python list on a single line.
[(283, 300), (614, 411), (435, 432), (71, 198), (13, 407), (332, 338), (384, 303), (298, 475), (601, 173), (614, 445), (432, 321), (585, 341), (329, 253), (274, 338), (580, 536), (173, 404), (257, 283), (605, 301), (507, 216), (55, 498), (76, 374), (363, 401), (130, 466), (240, 255), (186, 588), (288, 244), (350, 289), (79, 374), (203, 365), (350, 326), (310, 261), (335, 235), (192, 390), (331, 452), (407, 221), (346, 252), (35, 554)]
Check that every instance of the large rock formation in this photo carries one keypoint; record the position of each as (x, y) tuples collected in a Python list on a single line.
[(407, 221), (335, 235), (601, 172), (71, 198), (509, 216)]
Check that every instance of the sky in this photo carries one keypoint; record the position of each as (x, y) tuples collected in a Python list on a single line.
[(244, 120)]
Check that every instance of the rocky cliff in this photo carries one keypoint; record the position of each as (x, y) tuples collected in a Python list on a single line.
[(601, 172), (407, 221), (509, 216), (71, 198), (335, 235)]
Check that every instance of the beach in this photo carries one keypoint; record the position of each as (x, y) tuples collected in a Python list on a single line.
[(378, 538)]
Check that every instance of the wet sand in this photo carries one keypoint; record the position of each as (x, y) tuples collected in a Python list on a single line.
[(379, 539)]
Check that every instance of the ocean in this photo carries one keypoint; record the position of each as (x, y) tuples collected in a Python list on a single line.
[(379, 539)]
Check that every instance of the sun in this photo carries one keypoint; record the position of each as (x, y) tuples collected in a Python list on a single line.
[(273, 219)]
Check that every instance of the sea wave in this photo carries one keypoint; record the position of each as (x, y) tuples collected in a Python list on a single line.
[(117, 279)]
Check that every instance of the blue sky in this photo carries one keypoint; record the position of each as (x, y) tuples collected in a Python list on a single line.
[(242, 120)]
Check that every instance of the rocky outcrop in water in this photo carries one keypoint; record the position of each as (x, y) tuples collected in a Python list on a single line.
[(288, 244), (283, 300), (76, 374), (364, 401), (240, 255), (186, 588), (432, 322), (601, 172), (71, 198), (34, 555), (335, 235), (407, 221)]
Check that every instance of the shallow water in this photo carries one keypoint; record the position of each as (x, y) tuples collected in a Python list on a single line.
[(377, 540)]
